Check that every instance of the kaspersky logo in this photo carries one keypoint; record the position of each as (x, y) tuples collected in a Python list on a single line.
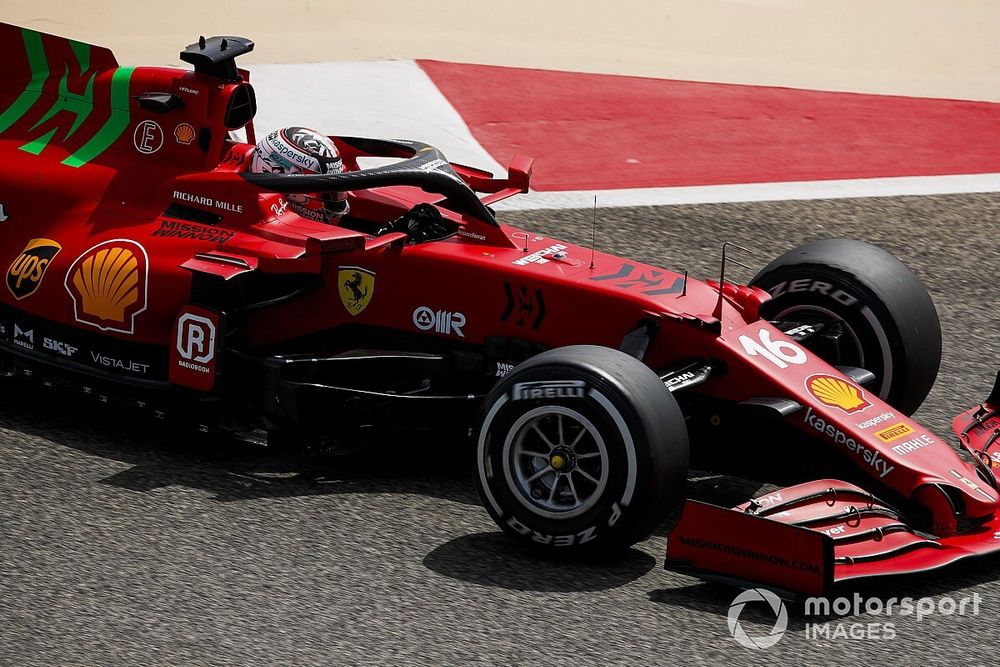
[(63, 92), (869, 456), (837, 393)]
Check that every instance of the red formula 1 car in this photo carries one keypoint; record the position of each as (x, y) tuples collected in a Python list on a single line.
[(147, 265)]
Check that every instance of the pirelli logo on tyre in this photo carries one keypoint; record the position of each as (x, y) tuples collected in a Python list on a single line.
[(894, 432), (548, 389)]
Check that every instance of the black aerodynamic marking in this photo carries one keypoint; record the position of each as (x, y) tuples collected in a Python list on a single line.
[(527, 304), (623, 272), (651, 280), (676, 288), (541, 309), (510, 303)]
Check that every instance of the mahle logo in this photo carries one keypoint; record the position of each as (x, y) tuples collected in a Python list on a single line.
[(26, 272)]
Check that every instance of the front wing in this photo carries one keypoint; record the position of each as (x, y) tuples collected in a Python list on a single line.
[(807, 538)]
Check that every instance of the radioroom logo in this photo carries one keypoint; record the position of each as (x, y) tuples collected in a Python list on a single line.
[(737, 630)]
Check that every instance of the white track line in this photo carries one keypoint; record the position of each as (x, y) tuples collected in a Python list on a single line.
[(758, 192)]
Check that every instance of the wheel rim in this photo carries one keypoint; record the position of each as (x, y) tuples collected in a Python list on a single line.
[(813, 313), (555, 462), (818, 314)]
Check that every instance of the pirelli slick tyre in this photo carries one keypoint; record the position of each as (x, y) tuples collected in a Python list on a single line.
[(883, 314), (581, 450)]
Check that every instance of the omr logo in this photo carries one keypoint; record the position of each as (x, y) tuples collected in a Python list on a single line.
[(441, 321)]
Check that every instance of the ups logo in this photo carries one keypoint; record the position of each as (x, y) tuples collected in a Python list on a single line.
[(26, 272)]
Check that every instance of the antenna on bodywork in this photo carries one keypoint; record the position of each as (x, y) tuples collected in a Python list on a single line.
[(717, 313), (593, 234)]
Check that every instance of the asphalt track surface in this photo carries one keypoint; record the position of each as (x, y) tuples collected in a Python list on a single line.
[(124, 542)]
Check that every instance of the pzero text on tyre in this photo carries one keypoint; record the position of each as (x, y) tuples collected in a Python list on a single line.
[(581, 449)]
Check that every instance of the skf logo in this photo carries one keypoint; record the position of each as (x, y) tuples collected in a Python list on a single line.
[(441, 321), (195, 353), (26, 272), (109, 285), (59, 347), (837, 393), (357, 287), (894, 432)]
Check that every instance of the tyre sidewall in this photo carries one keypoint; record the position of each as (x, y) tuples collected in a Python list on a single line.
[(632, 477)]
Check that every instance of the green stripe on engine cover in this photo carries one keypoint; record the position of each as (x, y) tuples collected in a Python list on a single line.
[(39, 73), (113, 126), (80, 105)]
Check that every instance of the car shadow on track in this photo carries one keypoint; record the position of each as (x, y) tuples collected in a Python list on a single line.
[(493, 559), (163, 454), (715, 598)]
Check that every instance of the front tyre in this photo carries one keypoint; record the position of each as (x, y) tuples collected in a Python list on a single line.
[(881, 315), (581, 450)]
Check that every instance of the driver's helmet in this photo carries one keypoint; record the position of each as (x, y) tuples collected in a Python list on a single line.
[(299, 150)]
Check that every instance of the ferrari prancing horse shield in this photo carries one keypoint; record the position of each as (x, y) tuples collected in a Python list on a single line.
[(357, 286)]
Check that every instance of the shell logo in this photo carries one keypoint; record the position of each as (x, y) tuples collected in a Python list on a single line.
[(837, 393), (108, 284), (184, 134)]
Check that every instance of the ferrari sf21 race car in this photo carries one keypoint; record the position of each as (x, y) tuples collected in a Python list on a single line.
[(147, 266)]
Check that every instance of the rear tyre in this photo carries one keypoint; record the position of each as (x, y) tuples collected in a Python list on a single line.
[(581, 450), (883, 316)]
